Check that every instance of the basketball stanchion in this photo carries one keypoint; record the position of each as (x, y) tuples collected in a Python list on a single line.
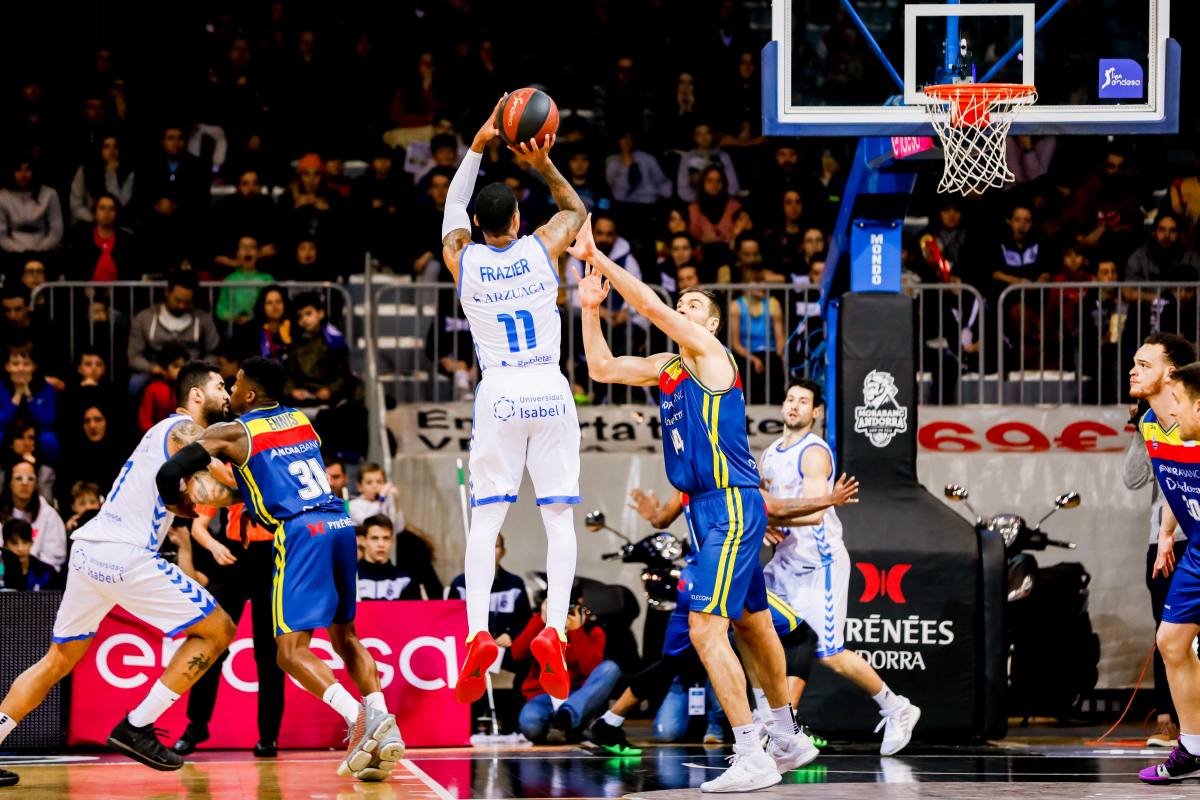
[(494, 737)]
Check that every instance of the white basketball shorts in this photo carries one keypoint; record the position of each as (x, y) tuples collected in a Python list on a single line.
[(524, 419), (101, 575), (818, 594)]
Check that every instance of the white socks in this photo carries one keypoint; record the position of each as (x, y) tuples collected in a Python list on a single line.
[(156, 701), (560, 562), (612, 719), (375, 702), (887, 700), (480, 566), (1190, 742), (341, 701), (746, 736), (783, 722), (7, 724)]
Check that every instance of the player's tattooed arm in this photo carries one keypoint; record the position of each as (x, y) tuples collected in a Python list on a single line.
[(563, 227), (206, 490), (182, 434)]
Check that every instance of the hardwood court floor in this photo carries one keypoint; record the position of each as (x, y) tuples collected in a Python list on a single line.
[(1032, 770)]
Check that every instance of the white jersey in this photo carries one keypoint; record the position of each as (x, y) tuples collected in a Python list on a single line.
[(510, 297), (133, 512), (807, 546)]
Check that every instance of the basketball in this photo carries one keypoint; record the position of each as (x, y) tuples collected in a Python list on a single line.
[(527, 114)]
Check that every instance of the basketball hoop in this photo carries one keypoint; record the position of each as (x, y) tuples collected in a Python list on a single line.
[(972, 120)]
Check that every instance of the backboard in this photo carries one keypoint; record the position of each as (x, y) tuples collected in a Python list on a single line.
[(858, 67)]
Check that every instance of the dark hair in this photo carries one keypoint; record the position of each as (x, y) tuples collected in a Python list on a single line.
[(109, 195), (1167, 213), (441, 141), (18, 530), (445, 172), (369, 467), (266, 375), (11, 462), (691, 242), (719, 171), (746, 236), (1189, 376), (35, 185), (183, 278), (260, 315), (598, 215), (1025, 204), (193, 376), (1178, 350), (329, 462), (494, 208), (307, 300), (90, 350), (15, 289), (378, 521), (714, 305), (84, 487), (170, 352), (17, 428), (818, 392)]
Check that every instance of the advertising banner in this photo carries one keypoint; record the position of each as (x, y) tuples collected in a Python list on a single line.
[(416, 644)]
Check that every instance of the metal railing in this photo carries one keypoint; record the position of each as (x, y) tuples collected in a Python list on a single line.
[(99, 313), (952, 346), (1061, 343)]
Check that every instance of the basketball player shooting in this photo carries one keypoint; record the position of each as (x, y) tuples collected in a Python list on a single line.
[(707, 455), (508, 287)]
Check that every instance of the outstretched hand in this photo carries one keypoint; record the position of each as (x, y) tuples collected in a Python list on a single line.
[(845, 491), (488, 130), (593, 287)]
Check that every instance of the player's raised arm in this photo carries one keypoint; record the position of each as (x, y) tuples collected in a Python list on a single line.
[(564, 226), (603, 366), (693, 339), (794, 511), (456, 225), (227, 441)]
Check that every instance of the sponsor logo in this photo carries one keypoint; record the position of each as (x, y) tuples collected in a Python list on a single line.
[(504, 409), (316, 529), (913, 631), (882, 582), (78, 558), (127, 660), (881, 417), (876, 259), (515, 293), (1121, 78), (293, 450), (541, 406), (504, 272)]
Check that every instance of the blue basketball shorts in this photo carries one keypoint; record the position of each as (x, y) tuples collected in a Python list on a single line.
[(729, 525), (316, 572)]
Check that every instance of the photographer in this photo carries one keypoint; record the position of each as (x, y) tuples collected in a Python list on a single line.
[(592, 679)]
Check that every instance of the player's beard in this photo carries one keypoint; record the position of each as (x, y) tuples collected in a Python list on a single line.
[(800, 424), (1144, 391), (214, 412)]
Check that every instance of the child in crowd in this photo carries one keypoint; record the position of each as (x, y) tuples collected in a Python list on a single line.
[(85, 497), (158, 400), (375, 496)]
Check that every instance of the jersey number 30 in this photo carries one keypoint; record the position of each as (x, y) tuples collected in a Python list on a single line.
[(313, 480), (510, 327)]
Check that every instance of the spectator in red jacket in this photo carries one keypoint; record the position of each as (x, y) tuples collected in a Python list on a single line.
[(158, 401), (592, 680)]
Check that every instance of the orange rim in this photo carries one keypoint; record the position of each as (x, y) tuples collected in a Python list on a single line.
[(955, 92)]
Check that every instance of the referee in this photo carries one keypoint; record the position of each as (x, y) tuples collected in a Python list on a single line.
[(239, 569)]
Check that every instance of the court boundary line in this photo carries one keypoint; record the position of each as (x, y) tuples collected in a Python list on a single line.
[(441, 791)]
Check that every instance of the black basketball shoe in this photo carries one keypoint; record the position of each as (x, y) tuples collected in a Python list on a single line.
[(142, 744)]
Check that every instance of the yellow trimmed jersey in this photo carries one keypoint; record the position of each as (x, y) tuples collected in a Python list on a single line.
[(705, 445), (284, 475), (1176, 466)]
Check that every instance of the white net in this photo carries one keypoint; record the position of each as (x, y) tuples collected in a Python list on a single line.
[(972, 120)]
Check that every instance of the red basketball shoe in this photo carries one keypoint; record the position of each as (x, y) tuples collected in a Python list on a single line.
[(481, 654), (550, 649)]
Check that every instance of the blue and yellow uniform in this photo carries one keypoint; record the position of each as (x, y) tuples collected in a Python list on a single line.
[(707, 455), (286, 489), (1176, 465)]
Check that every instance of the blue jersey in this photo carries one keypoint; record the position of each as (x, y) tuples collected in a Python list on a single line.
[(705, 445), (284, 475), (1176, 465)]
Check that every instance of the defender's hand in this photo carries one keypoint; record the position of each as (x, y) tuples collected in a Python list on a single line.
[(845, 490), (592, 288), (584, 248)]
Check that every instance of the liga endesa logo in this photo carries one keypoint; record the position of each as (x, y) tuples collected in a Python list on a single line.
[(883, 582)]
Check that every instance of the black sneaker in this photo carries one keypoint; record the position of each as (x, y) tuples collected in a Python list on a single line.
[(142, 744), (610, 738), (194, 735), (560, 727), (9, 778), (264, 749)]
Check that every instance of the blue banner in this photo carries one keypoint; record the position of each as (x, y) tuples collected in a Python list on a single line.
[(874, 256)]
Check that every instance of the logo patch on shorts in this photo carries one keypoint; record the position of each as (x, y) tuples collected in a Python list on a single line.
[(504, 409)]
